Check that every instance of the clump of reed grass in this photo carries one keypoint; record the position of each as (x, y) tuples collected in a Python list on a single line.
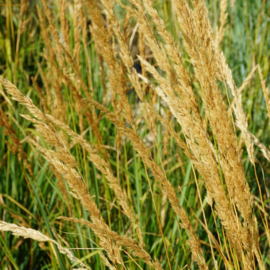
[(198, 117)]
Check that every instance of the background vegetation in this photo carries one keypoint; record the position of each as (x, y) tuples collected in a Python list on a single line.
[(68, 57)]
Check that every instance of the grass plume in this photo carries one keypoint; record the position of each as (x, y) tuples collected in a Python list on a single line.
[(134, 133)]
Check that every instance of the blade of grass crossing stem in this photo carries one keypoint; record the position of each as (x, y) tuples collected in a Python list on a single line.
[(8, 59), (95, 177), (108, 199), (138, 183), (9, 256), (158, 219), (185, 184), (182, 195), (97, 200), (126, 174), (8, 173), (182, 199), (47, 224)]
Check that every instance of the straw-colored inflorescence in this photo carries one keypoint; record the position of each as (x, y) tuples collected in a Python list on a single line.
[(195, 28), (89, 47), (16, 147), (104, 167), (163, 182), (66, 165), (40, 237)]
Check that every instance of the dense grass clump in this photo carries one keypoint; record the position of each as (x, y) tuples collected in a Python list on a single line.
[(134, 134)]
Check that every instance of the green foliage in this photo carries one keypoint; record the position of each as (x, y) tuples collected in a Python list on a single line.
[(36, 201)]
